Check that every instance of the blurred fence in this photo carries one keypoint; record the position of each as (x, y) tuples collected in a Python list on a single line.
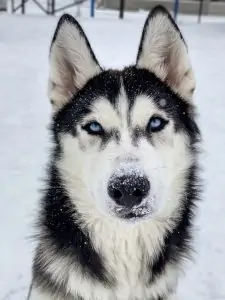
[(3, 5), (49, 6)]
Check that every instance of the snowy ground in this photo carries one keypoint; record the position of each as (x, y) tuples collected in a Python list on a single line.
[(24, 115)]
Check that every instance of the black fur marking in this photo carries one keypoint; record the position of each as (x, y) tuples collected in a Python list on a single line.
[(109, 136), (159, 9), (60, 227), (107, 85), (177, 244), (71, 20), (139, 133), (146, 83)]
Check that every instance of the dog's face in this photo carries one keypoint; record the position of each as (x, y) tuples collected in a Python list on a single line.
[(126, 138)]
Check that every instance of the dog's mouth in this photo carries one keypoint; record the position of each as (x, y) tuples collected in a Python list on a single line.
[(133, 213)]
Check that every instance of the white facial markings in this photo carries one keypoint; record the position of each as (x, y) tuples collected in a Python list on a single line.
[(125, 134), (143, 109), (103, 112), (163, 162)]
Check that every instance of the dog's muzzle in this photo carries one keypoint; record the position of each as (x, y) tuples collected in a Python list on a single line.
[(128, 192)]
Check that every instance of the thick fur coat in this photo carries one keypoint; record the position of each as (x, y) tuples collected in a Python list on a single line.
[(115, 220)]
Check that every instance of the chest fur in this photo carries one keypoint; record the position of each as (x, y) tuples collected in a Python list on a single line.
[(127, 256)]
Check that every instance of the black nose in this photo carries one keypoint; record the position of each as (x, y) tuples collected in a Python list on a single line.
[(128, 190)]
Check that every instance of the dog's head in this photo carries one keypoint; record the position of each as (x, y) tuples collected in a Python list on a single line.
[(125, 139)]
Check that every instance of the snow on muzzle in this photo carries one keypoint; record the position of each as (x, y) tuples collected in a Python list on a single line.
[(128, 187)]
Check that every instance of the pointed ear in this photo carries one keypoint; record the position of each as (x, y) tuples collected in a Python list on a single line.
[(163, 51), (72, 61)]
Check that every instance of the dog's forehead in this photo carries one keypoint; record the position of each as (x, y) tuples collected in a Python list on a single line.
[(132, 95), (129, 84), (126, 95), (121, 113), (131, 81)]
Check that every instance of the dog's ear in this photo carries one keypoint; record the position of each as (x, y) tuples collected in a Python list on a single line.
[(72, 61), (163, 51)]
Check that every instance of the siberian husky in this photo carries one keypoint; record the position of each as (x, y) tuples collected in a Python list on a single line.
[(116, 218)]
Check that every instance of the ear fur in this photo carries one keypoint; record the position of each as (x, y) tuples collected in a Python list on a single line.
[(72, 61), (163, 51)]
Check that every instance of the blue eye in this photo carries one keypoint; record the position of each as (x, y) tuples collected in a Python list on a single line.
[(93, 128), (156, 124)]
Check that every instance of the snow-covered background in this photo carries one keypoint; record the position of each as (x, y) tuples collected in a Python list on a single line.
[(25, 113)]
